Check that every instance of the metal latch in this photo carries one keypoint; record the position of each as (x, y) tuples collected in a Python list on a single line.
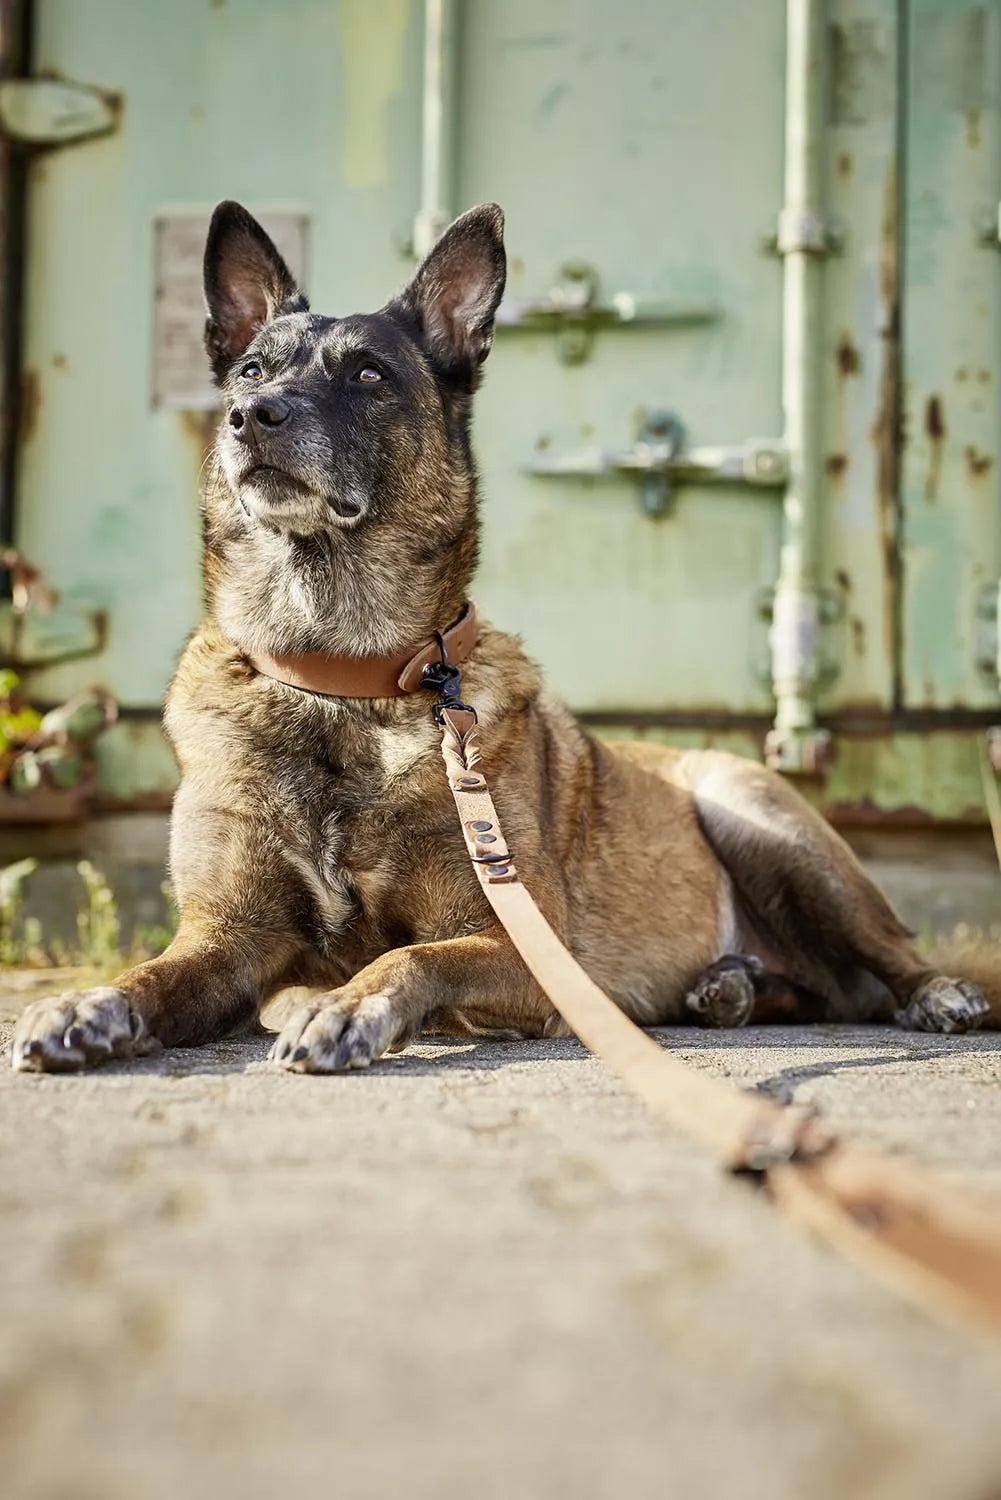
[(659, 461), (51, 112), (573, 310)]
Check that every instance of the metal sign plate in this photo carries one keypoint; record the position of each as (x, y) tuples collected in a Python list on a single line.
[(181, 380)]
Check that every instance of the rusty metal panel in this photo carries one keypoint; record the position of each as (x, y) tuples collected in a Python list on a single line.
[(952, 349), (861, 337)]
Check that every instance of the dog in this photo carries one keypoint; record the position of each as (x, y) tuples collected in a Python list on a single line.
[(314, 839)]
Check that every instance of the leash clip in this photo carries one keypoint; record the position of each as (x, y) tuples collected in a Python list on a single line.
[(443, 677)]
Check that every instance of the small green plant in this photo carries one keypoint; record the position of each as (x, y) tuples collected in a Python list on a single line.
[(18, 935), (97, 925), (98, 946)]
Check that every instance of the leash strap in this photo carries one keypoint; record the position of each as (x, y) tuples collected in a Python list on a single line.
[(935, 1244)]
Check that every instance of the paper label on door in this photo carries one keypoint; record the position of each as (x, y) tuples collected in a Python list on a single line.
[(181, 377)]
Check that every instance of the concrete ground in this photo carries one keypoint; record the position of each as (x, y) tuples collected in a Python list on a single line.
[(480, 1271)]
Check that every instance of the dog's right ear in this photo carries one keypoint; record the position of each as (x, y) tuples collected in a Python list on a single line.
[(457, 289), (246, 284)]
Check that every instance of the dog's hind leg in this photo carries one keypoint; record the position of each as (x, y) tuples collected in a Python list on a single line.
[(811, 906)]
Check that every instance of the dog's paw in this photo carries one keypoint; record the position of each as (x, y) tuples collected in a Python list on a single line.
[(72, 1031), (724, 994), (330, 1035), (943, 1004)]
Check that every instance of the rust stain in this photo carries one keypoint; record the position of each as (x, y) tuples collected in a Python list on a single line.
[(962, 374), (984, 377), (31, 404), (887, 429), (935, 430), (977, 463), (934, 419), (847, 356), (59, 361), (842, 580), (973, 127), (858, 634), (844, 164), (836, 465)]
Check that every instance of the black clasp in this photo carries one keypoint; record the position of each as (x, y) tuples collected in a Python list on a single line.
[(443, 677)]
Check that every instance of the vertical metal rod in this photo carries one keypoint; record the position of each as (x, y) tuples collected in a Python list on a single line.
[(795, 744), (15, 51), (437, 124)]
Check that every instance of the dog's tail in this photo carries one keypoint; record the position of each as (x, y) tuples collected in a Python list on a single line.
[(976, 957)]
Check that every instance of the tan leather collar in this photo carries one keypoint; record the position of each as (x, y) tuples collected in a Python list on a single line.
[(369, 676)]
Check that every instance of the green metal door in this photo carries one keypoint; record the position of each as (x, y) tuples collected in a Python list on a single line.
[(610, 133)]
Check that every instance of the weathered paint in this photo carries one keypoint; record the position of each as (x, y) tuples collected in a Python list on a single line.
[(952, 347), (373, 40), (862, 331), (609, 134), (594, 158)]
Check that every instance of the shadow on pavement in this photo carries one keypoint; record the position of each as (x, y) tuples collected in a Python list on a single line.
[(881, 1046)]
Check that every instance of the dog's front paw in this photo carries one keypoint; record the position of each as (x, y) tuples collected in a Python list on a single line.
[(331, 1034), (73, 1031), (943, 1004)]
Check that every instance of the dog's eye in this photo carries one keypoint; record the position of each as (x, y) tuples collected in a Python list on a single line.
[(252, 371), (368, 375)]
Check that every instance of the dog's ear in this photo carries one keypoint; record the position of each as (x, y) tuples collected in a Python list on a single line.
[(246, 284), (457, 288)]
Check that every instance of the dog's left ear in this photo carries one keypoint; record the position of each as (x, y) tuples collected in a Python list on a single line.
[(457, 288), (246, 284)]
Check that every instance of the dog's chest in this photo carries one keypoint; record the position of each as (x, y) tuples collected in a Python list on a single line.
[(353, 820)]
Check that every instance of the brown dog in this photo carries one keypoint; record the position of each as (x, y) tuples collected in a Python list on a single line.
[(314, 838)]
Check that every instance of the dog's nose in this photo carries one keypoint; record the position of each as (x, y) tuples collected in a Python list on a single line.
[(262, 415)]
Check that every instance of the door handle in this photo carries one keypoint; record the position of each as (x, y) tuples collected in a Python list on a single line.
[(574, 311), (659, 461)]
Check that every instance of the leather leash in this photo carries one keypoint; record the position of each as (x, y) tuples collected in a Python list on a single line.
[(933, 1243)]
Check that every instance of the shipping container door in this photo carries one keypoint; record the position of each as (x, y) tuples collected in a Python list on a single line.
[(637, 150)]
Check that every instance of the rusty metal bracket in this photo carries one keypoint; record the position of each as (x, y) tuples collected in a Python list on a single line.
[(809, 231), (54, 112), (35, 631)]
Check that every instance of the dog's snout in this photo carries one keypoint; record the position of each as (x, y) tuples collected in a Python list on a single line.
[(270, 412), (260, 416)]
